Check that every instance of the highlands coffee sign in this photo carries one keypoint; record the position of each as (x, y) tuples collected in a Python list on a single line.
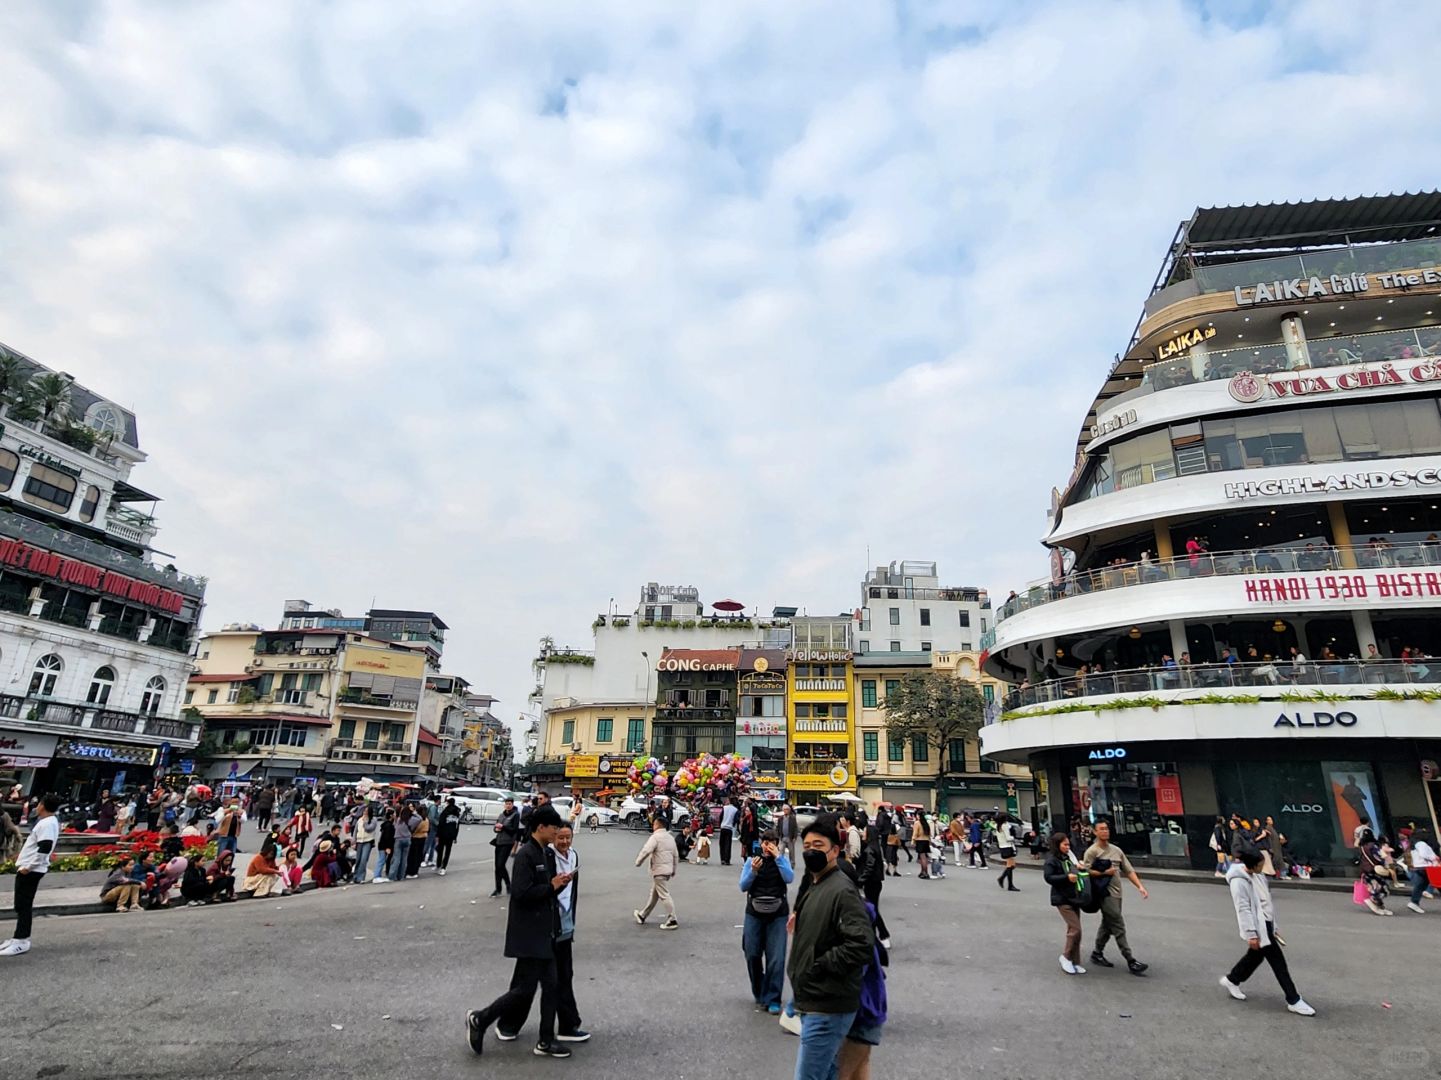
[(1248, 388), (1333, 483), (83, 575)]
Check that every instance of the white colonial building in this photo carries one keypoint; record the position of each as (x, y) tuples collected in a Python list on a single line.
[(95, 637)]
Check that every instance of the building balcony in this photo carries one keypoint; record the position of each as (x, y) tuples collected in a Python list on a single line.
[(1344, 678), (1211, 564), (63, 542), (130, 525), (682, 712), (902, 592), (827, 685), (356, 699), (68, 718), (818, 766)]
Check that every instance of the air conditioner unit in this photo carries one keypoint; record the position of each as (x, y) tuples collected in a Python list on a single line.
[(259, 662), (870, 770)]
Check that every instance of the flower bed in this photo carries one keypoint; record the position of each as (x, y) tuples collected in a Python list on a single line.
[(106, 856)]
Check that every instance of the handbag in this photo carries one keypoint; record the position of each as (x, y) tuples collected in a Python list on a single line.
[(1360, 892)]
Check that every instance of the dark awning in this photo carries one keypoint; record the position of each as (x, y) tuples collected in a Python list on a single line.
[(1367, 219)]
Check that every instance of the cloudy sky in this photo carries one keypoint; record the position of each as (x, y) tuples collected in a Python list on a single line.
[(505, 309)]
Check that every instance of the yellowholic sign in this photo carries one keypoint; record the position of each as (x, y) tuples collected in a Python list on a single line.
[(582, 765), (839, 778)]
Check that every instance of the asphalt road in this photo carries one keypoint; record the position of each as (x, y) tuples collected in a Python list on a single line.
[(374, 980)]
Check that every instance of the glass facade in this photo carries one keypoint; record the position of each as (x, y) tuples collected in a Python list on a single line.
[(1360, 431)]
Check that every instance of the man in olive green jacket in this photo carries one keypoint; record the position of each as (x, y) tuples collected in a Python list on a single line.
[(833, 944)]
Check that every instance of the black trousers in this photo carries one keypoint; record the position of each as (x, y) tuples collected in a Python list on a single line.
[(1274, 955), (25, 886), (442, 851), (262, 820), (512, 1008), (416, 856), (502, 874), (872, 889), (567, 1013), (977, 851), (726, 836)]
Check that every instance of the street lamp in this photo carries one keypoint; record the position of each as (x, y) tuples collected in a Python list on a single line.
[(645, 701)]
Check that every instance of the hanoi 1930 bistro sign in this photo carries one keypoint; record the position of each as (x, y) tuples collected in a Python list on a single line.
[(1360, 585)]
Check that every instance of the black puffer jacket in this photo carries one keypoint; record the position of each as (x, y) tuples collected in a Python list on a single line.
[(1056, 872)]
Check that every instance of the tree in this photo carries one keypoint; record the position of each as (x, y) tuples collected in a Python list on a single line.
[(937, 707), (51, 393), (14, 374)]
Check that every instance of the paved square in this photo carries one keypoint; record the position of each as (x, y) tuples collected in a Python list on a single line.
[(255, 989)]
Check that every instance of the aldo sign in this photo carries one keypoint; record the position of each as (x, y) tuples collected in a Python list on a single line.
[(1110, 753), (1315, 720)]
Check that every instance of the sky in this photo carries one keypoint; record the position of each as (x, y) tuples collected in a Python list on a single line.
[(503, 310)]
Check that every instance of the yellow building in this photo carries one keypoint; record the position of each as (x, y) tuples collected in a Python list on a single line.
[(892, 770), (973, 782), (820, 710), (597, 741)]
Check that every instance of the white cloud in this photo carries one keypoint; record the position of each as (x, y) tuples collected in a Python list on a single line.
[(506, 310)]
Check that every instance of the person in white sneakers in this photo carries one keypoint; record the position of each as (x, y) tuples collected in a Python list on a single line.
[(1256, 916), (1422, 856), (30, 868), (660, 849)]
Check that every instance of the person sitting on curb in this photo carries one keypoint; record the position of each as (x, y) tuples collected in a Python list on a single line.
[(121, 890)]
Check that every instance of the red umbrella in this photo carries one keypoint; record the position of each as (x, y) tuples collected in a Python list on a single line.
[(728, 605)]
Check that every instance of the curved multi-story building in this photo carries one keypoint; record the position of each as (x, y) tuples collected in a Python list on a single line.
[(1242, 607)]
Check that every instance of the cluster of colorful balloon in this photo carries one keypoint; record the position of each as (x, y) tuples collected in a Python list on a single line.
[(648, 776), (713, 778)]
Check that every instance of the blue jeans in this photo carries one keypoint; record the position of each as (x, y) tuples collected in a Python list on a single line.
[(430, 844), (362, 858), (821, 1038), (764, 943), (399, 859), (226, 843)]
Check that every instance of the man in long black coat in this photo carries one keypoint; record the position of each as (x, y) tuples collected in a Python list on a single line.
[(532, 923)]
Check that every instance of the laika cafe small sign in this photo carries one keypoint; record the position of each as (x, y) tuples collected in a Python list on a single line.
[(1184, 341)]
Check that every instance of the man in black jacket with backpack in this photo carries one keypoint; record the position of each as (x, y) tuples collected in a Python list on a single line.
[(531, 928)]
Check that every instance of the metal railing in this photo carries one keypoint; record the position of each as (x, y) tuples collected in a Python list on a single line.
[(38, 710), (1222, 564), (1283, 673), (904, 592), (817, 766), (1369, 258), (19, 527)]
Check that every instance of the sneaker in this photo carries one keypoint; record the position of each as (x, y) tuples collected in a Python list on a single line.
[(639, 918), (475, 1024), (15, 947), (774, 1010), (670, 924), (1300, 1008), (1068, 967), (790, 1024), (376, 880), (411, 877), (555, 1050), (578, 1035), (1373, 907), (1079, 970), (495, 894), (506, 1036), (1100, 961), (1417, 908), (1232, 989), (442, 873), (1136, 967), (884, 942), (1012, 888)]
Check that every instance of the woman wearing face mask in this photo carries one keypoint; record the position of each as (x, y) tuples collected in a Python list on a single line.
[(764, 878), (567, 1013)]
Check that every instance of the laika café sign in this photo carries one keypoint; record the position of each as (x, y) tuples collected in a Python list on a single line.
[(82, 575), (1183, 342), (1305, 288), (1248, 388)]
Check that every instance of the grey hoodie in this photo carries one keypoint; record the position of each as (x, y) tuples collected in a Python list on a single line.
[(1251, 897)]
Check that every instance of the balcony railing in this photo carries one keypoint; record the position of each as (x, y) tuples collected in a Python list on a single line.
[(370, 701), (1209, 677), (817, 766), (1222, 564), (1398, 346), (63, 542), (684, 713), (380, 746), (1369, 258), (88, 716), (904, 592)]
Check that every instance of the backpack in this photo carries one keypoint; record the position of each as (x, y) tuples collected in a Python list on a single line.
[(1093, 887), (872, 1011), (169, 815)]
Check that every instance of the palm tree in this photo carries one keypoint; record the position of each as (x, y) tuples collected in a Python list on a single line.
[(51, 395), (13, 375)]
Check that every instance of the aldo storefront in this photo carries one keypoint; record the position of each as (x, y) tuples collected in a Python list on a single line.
[(1317, 771)]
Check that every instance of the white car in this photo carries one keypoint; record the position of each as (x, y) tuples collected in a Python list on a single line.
[(805, 815), (484, 803), (591, 812), (635, 811)]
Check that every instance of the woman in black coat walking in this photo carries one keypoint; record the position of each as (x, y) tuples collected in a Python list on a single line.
[(447, 830), (1062, 874)]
